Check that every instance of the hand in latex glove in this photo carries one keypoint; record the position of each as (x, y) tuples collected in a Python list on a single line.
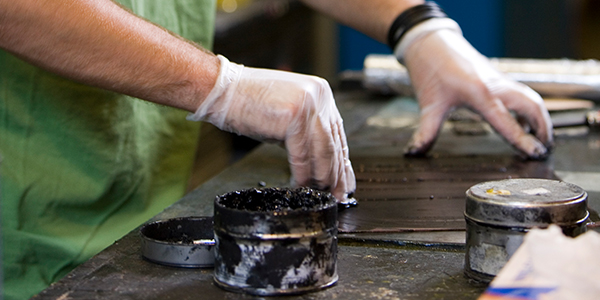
[(296, 109), (447, 72)]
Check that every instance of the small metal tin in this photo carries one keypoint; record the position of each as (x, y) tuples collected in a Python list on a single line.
[(186, 242), (499, 213), (274, 241)]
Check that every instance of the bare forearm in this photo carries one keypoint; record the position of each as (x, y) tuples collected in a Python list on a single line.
[(96, 42), (372, 17)]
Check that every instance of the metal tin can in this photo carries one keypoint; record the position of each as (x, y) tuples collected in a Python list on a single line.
[(185, 242), (499, 213), (275, 241)]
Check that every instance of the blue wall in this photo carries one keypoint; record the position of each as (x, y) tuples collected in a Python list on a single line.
[(481, 22)]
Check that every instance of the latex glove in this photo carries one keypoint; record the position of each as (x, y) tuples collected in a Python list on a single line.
[(296, 109), (447, 72)]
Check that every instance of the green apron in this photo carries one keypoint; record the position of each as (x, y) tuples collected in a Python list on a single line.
[(82, 166)]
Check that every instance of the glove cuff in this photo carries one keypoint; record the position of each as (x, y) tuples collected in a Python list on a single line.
[(211, 111), (422, 29)]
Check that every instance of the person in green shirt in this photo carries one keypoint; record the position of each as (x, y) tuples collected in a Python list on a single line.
[(85, 161)]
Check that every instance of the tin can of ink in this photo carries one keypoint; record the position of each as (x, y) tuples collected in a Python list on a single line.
[(275, 241), (499, 213)]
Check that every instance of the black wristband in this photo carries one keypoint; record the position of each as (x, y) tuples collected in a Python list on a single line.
[(411, 17)]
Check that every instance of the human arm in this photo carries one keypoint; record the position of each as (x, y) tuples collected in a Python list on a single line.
[(447, 72), (101, 44), (372, 18), (96, 42)]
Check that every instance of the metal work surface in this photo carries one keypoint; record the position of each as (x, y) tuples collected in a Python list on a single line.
[(367, 271), (392, 263), (424, 194)]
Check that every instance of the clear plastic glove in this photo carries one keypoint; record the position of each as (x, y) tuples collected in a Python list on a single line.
[(296, 109), (447, 72)]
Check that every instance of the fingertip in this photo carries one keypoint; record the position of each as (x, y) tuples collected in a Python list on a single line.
[(412, 151), (534, 149), (541, 153), (549, 141), (430, 124), (339, 196), (348, 202), (417, 146), (550, 146)]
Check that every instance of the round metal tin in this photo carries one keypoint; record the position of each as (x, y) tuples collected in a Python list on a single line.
[(499, 213), (186, 242), (266, 245)]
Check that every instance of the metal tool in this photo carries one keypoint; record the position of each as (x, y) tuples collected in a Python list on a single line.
[(590, 119), (548, 77)]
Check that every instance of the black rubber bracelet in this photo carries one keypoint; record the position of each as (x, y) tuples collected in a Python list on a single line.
[(411, 17)]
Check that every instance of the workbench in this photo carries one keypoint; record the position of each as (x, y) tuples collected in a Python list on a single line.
[(372, 264)]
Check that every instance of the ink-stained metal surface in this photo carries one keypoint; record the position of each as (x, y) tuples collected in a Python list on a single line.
[(424, 194), (366, 270), (403, 194), (389, 265)]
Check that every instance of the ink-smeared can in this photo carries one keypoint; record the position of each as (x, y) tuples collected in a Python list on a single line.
[(185, 242), (500, 213), (275, 241)]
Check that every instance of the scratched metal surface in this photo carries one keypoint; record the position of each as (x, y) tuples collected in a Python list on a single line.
[(366, 270), (404, 265), (369, 268), (402, 194), (418, 194)]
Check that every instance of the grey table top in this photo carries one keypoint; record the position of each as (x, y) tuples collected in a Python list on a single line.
[(397, 265)]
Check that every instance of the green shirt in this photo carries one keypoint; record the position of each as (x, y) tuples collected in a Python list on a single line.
[(83, 166)]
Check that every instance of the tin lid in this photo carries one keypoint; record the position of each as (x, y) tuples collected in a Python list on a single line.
[(186, 242), (526, 202)]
